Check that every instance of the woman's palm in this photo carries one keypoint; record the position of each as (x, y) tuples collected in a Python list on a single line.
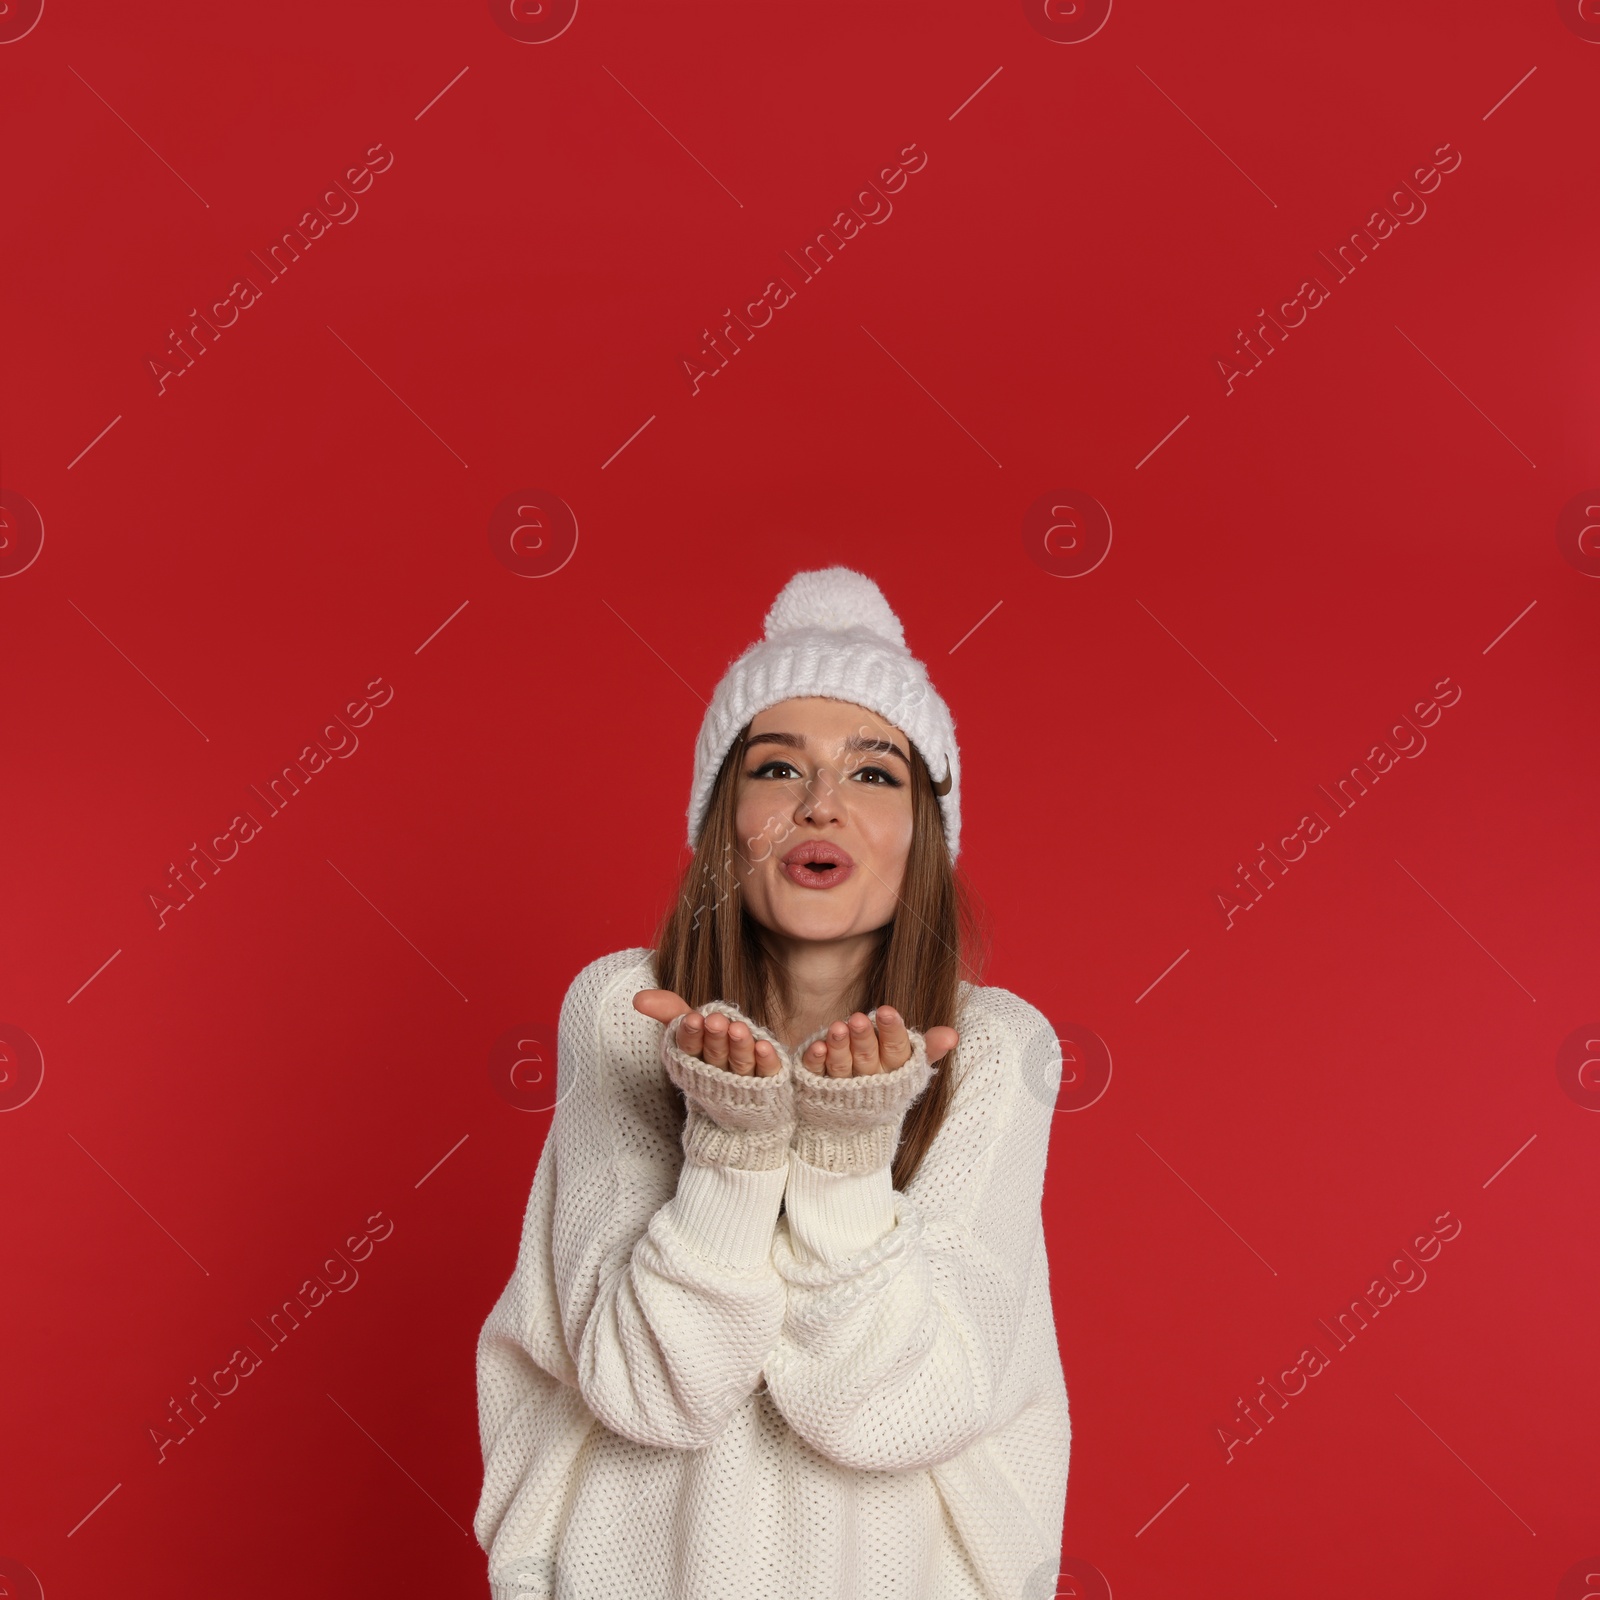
[(848, 1051)]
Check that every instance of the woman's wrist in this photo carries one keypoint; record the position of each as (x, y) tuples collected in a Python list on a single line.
[(852, 1124), (708, 1143), (734, 1119)]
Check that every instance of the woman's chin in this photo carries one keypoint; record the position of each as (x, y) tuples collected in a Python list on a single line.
[(815, 921)]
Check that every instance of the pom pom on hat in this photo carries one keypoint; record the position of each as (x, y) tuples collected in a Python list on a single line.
[(831, 633), (834, 598)]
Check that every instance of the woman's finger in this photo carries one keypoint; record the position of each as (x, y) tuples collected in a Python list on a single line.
[(863, 1046), (941, 1041), (691, 1034), (767, 1062), (894, 1043), (662, 1004), (741, 1049), (715, 1052), (838, 1057)]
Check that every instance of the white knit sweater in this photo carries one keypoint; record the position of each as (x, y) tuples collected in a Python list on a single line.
[(683, 1394)]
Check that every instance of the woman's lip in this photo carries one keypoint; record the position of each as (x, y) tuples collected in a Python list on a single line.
[(820, 850), (799, 872)]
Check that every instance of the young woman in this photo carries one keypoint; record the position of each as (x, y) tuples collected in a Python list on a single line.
[(780, 1326)]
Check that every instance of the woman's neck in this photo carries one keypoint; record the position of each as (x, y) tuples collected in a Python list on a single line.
[(823, 975)]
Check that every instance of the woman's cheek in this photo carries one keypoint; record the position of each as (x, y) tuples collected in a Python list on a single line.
[(900, 845), (891, 849), (758, 829)]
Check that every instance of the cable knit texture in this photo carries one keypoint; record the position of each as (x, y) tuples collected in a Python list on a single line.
[(683, 1395)]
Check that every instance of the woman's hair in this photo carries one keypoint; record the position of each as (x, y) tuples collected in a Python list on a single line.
[(707, 945)]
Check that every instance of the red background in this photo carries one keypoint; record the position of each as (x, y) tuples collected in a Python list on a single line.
[(303, 512)]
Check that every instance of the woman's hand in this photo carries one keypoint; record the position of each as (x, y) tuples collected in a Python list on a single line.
[(857, 1049), (714, 1039)]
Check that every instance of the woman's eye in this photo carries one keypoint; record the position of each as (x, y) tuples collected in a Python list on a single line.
[(766, 769)]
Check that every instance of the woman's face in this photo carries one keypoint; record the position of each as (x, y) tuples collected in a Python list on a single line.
[(827, 781)]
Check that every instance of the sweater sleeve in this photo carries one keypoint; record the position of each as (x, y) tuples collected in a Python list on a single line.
[(903, 1309), (662, 1265)]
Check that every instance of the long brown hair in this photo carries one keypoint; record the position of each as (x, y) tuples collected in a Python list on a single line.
[(707, 948)]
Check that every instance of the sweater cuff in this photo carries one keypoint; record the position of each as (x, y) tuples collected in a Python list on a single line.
[(853, 1124), (835, 1215), (728, 1214), (735, 1099), (733, 1119), (708, 1144)]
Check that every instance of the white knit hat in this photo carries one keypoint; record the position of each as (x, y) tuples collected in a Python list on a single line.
[(832, 634)]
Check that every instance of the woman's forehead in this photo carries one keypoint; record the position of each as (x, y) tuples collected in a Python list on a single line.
[(814, 716)]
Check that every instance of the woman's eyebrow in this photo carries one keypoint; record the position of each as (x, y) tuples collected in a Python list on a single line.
[(795, 741)]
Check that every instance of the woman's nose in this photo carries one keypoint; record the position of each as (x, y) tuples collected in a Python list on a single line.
[(821, 799)]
